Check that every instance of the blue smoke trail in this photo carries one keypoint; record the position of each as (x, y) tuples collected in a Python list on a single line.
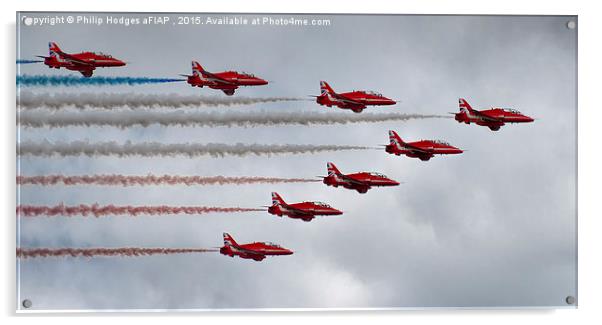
[(28, 61), (41, 80)]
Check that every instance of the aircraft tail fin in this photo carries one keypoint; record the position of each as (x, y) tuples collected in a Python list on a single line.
[(277, 200), (325, 88), (197, 69), (228, 240), (394, 138), (464, 106), (332, 169), (53, 49)]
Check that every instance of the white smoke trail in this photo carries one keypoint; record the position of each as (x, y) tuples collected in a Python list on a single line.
[(82, 101), (127, 180), (125, 119), (150, 149), (132, 211)]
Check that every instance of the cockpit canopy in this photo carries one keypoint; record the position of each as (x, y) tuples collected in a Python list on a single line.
[(103, 55), (510, 110), (248, 74), (377, 174), (272, 244), (445, 143), (322, 204), (374, 93)]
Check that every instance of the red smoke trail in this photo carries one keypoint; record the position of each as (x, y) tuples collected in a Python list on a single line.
[(123, 180), (102, 211), (93, 252)]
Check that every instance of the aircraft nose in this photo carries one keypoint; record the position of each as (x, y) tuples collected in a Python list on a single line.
[(394, 183), (337, 212), (119, 63)]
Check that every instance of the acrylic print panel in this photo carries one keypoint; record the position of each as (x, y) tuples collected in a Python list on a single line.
[(154, 173)]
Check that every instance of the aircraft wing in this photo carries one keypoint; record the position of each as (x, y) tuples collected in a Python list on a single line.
[(249, 252), (74, 60), (347, 100), (486, 116), (416, 149), (298, 211), (353, 180), (214, 78)]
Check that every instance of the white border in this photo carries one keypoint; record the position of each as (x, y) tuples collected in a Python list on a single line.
[(589, 162)]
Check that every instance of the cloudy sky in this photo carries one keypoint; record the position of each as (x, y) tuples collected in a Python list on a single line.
[(495, 226)]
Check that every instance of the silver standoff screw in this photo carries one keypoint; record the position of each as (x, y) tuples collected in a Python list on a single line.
[(571, 24), (26, 303)]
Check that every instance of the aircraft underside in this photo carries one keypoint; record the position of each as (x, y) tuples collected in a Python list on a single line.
[(257, 258), (84, 70), (291, 214), (304, 217), (491, 126), (359, 189), (343, 105), (228, 90), (423, 157), (230, 251), (253, 257), (353, 108)]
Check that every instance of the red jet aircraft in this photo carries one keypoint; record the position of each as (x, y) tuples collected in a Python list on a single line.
[(356, 100), (494, 118), (305, 211), (360, 182), (84, 62), (227, 81), (256, 251), (423, 149)]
